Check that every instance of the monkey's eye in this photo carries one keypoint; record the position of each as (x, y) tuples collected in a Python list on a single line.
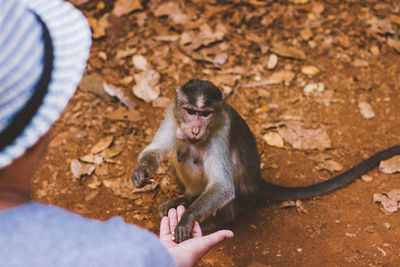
[(190, 111), (205, 113)]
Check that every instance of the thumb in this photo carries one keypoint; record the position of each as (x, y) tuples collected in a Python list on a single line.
[(209, 241)]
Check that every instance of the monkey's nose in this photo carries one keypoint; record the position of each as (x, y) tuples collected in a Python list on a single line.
[(195, 131)]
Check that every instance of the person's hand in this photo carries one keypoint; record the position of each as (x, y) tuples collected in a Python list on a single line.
[(189, 251)]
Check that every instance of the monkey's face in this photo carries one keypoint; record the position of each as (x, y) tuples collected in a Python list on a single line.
[(195, 124)]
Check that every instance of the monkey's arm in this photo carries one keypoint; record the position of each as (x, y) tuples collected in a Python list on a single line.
[(219, 191), (149, 159)]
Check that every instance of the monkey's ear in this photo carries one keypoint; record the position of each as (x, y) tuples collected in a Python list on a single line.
[(178, 89)]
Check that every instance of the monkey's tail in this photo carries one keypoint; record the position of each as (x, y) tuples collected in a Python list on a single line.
[(282, 193)]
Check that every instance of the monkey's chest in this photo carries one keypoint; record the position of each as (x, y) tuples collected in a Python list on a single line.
[(190, 170)]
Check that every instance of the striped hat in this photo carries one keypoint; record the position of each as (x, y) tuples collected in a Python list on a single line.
[(44, 46)]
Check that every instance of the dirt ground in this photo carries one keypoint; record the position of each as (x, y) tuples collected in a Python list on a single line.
[(355, 48)]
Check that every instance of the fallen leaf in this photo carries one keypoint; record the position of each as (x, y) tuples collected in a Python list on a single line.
[(306, 34), (60, 139), (313, 88), (191, 40), (389, 201), (326, 162), (281, 76), (93, 85), (140, 62), (79, 169), (167, 9), (288, 51), (272, 61), (93, 182), (366, 110), (95, 159), (102, 144), (273, 139), (299, 137), (99, 26), (122, 114), (366, 178), (309, 70), (221, 58), (91, 195), (122, 7), (287, 204), (375, 50), (391, 165), (360, 63), (114, 91), (300, 1), (394, 43), (146, 87), (126, 53), (112, 152), (395, 19)]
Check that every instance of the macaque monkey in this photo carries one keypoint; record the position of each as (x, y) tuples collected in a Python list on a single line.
[(217, 162)]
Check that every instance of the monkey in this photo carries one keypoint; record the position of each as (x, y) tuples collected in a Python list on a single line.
[(217, 163)]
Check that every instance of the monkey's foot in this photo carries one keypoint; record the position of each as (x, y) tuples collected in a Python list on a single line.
[(172, 203)]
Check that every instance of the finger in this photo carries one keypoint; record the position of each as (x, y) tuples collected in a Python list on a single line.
[(165, 229), (173, 220), (196, 232), (180, 210)]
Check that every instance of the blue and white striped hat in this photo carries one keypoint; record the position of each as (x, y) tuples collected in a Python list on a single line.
[(44, 46)]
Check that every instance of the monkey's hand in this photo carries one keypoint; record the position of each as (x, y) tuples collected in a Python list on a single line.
[(142, 176), (183, 230)]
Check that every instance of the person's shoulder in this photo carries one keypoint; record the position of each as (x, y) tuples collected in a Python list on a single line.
[(70, 237)]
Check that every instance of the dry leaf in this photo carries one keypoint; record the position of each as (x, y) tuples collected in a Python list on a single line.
[(95, 159), (306, 34), (113, 91), (146, 87), (93, 182), (395, 18), (301, 138), (102, 144), (366, 110), (394, 43), (360, 63), (313, 88), (122, 7), (389, 201), (60, 139), (326, 162), (91, 195), (167, 9), (112, 152), (93, 85), (391, 165), (272, 61), (281, 76), (140, 62), (122, 114), (79, 169), (273, 139), (288, 51), (99, 26), (309, 70)]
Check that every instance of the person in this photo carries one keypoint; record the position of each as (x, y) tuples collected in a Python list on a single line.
[(44, 46)]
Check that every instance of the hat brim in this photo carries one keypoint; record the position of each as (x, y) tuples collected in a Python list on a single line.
[(70, 36)]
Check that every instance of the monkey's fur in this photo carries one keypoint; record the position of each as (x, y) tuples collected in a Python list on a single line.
[(217, 162)]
